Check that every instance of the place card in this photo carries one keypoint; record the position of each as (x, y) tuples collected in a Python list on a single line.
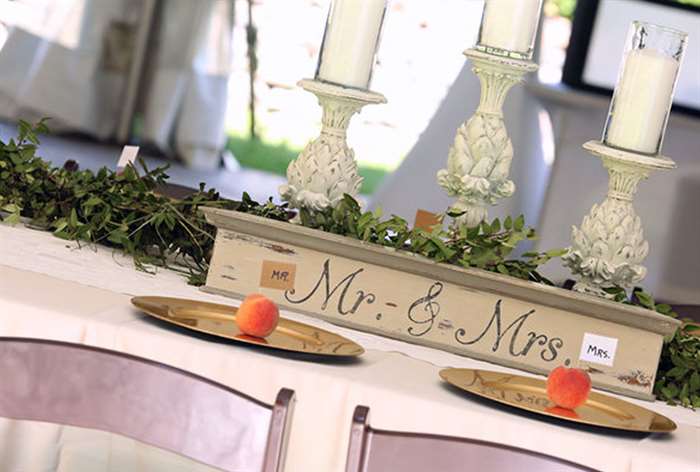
[(128, 156), (598, 349), (426, 220), (278, 275)]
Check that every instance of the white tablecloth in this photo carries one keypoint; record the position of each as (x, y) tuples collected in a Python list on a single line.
[(50, 290)]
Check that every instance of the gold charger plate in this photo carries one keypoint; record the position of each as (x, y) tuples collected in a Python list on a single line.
[(219, 320), (530, 394)]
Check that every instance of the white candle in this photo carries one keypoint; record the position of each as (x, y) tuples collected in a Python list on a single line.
[(510, 24), (642, 100), (350, 42)]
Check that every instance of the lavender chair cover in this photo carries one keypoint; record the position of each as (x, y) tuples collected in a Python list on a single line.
[(373, 450), (153, 403)]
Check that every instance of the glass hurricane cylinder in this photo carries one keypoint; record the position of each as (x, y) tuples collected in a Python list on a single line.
[(350, 42), (643, 95), (509, 27)]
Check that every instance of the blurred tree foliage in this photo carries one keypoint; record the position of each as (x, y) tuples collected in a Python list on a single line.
[(563, 8)]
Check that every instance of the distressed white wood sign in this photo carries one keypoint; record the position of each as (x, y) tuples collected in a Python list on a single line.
[(466, 311)]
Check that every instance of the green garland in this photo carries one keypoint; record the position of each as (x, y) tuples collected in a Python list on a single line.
[(126, 212), (678, 374), (117, 210), (487, 246)]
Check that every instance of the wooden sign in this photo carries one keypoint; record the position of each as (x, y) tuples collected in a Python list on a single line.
[(466, 311)]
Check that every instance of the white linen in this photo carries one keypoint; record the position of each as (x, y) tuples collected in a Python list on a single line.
[(398, 381)]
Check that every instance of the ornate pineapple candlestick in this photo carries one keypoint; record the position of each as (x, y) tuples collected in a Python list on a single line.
[(609, 247), (326, 169), (479, 161)]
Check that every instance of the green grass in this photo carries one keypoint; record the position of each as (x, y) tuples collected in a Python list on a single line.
[(274, 158)]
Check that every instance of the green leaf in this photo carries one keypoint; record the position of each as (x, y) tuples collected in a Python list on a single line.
[(556, 252), (694, 381), (59, 225), (118, 237), (11, 208), (519, 223), (508, 223), (670, 391), (677, 372), (12, 219), (73, 219), (695, 401), (663, 308), (93, 201), (644, 299), (684, 395)]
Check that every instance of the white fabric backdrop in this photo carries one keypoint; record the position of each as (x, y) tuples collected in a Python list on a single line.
[(51, 65), (186, 97), (70, 61)]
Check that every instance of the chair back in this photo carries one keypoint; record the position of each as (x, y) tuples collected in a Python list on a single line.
[(156, 404), (373, 450)]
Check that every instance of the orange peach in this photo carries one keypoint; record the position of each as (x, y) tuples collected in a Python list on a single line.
[(568, 388), (257, 316)]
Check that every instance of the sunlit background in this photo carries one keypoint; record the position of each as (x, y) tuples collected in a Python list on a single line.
[(419, 59)]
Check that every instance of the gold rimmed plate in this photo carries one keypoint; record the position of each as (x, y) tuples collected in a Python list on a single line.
[(530, 394), (220, 320)]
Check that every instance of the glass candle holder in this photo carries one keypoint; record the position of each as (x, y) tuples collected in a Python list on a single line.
[(643, 95), (350, 42), (509, 27)]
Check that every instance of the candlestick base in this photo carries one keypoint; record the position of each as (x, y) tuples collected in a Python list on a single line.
[(609, 247), (325, 169), (479, 161)]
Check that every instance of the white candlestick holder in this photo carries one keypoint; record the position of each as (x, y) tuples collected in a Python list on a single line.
[(609, 247), (479, 161), (326, 168)]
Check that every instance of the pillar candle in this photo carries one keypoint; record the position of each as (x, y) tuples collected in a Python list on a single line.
[(510, 25), (642, 100), (350, 42)]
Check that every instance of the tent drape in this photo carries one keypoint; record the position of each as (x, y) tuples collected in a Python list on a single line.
[(70, 61)]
